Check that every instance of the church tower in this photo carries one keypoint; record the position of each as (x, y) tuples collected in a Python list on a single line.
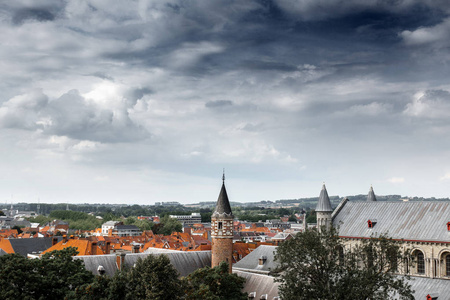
[(323, 209), (371, 195), (222, 230)]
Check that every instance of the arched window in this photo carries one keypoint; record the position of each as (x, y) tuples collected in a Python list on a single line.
[(420, 263), (447, 265)]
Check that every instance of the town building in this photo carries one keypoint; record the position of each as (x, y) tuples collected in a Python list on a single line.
[(188, 220)]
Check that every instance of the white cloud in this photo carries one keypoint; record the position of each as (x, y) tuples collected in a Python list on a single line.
[(445, 177), (439, 34), (430, 104), (396, 180)]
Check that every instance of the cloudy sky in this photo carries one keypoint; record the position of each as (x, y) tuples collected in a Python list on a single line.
[(147, 100)]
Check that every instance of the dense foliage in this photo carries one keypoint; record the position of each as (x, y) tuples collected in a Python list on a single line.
[(154, 278), (214, 284), (314, 265), (51, 277)]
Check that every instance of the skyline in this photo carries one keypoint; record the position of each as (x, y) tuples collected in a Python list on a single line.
[(147, 101)]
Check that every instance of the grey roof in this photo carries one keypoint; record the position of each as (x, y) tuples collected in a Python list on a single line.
[(324, 204), (184, 262), (223, 204), (250, 263), (259, 283), (423, 286), (371, 195), (29, 246), (425, 221), (2, 252)]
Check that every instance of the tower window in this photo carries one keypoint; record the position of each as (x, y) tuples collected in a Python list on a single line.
[(220, 225)]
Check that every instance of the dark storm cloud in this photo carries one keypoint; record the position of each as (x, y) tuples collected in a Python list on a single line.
[(40, 15)]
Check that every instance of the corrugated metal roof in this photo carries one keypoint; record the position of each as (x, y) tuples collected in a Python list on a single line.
[(251, 261), (424, 286), (260, 284), (324, 204), (184, 262), (424, 221)]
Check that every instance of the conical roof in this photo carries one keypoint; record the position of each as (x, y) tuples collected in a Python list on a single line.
[(371, 195), (324, 204), (223, 204)]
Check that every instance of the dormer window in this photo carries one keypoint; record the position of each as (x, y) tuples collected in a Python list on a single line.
[(262, 260), (371, 223)]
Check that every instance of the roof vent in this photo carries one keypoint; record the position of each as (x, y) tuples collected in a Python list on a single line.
[(448, 226), (262, 260), (433, 296), (263, 297), (252, 295), (276, 298), (371, 223), (101, 270)]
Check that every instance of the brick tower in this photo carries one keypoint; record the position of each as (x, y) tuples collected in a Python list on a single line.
[(222, 230)]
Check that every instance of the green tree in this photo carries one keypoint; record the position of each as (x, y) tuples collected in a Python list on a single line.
[(1, 213), (167, 226), (154, 278), (313, 265), (52, 277), (214, 284)]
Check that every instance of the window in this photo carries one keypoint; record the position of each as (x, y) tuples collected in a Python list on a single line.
[(220, 225), (420, 263), (447, 265)]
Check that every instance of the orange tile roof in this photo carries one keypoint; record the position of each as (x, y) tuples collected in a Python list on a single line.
[(6, 246)]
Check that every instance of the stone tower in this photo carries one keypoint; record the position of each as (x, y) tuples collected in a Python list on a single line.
[(323, 209), (222, 230)]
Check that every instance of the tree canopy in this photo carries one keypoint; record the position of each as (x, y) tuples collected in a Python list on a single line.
[(314, 265), (214, 284), (51, 277)]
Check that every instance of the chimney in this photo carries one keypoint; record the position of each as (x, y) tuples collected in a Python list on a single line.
[(93, 248), (120, 260), (136, 248), (108, 247), (64, 238), (54, 241)]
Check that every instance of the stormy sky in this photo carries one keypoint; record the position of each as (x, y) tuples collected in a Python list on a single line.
[(144, 101)]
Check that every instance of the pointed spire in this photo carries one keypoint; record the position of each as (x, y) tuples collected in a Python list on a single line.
[(324, 204), (371, 195), (223, 204)]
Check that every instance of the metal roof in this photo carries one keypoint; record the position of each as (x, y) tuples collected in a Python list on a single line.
[(324, 204), (423, 286), (424, 221), (371, 195), (184, 262), (258, 283), (251, 261), (223, 204)]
